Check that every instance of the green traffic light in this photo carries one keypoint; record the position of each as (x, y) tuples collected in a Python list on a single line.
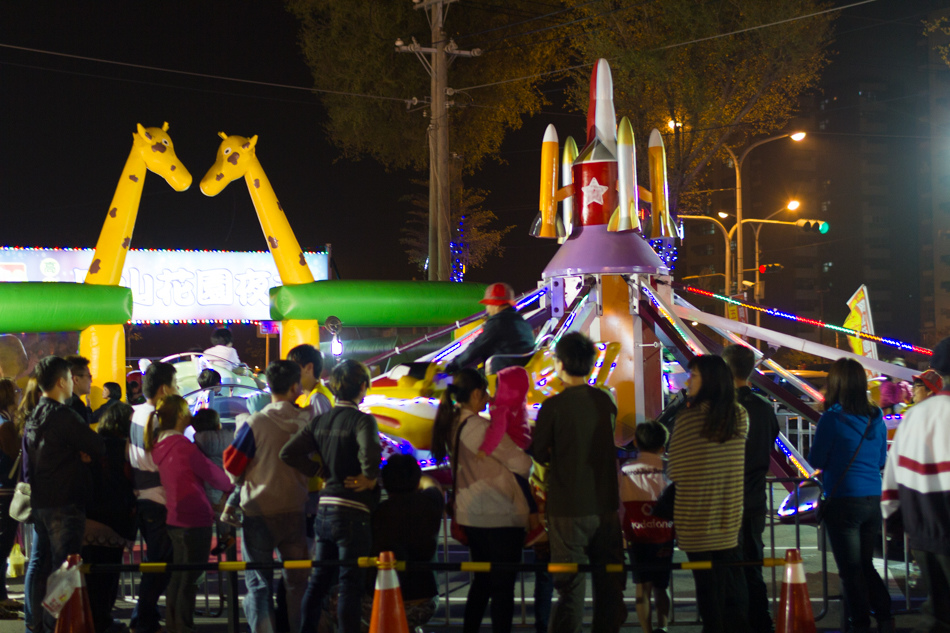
[(823, 227)]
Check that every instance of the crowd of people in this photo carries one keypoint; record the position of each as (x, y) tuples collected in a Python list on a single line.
[(302, 478)]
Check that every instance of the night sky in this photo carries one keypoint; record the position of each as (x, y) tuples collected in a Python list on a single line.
[(66, 126)]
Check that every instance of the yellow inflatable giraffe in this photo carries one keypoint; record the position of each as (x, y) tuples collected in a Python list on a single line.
[(236, 158), (104, 345)]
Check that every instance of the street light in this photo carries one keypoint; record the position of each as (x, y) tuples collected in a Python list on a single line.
[(726, 235), (737, 164)]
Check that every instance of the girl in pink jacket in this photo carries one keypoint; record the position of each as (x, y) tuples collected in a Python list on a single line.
[(183, 469)]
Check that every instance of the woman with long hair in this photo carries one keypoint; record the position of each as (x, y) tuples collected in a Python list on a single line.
[(707, 457), (850, 447), (32, 602), (183, 469), (489, 504)]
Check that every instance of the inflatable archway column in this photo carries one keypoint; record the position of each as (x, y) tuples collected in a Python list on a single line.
[(104, 346), (99, 312), (294, 332)]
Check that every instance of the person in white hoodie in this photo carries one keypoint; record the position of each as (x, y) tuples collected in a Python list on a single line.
[(273, 498)]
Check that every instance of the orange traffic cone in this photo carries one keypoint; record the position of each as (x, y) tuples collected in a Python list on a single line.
[(794, 611), (389, 612), (76, 614)]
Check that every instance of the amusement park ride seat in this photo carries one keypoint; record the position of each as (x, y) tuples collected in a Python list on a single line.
[(405, 399), (189, 364), (231, 401)]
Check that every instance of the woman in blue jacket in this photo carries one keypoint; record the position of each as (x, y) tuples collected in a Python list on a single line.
[(850, 446)]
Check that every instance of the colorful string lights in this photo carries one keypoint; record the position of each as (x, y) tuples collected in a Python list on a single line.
[(907, 347)]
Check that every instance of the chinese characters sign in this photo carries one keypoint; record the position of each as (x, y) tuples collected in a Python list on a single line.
[(170, 285)]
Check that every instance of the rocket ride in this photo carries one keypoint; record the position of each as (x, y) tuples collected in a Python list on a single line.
[(599, 183)]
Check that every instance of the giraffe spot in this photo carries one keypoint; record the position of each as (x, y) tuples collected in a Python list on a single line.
[(159, 147), (257, 183), (95, 266), (174, 167), (280, 207), (219, 177), (246, 145), (303, 260), (272, 241), (148, 136), (113, 211), (233, 158), (133, 178), (125, 242)]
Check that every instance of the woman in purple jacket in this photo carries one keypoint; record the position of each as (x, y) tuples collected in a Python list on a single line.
[(183, 469)]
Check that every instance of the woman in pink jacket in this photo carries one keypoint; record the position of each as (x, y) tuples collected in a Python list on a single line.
[(183, 469)]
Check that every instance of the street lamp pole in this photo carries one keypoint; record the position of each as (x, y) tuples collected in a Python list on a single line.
[(725, 236), (737, 164)]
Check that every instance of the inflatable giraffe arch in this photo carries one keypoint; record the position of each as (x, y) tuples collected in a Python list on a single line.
[(152, 150), (237, 157)]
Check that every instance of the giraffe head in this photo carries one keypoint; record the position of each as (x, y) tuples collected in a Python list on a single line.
[(235, 155), (157, 150)]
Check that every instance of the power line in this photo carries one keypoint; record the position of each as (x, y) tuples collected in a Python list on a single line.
[(199, 75)]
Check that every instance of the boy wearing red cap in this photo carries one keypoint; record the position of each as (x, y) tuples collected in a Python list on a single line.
[(504, 332)]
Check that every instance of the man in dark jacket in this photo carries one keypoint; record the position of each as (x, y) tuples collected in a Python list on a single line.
[(58, 446), (82, 386), (763, 429), (505, 332)]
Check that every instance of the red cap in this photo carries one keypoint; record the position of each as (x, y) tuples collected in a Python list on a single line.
[(931, 380), (499, 294)]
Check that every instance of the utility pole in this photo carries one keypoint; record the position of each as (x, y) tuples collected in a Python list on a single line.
[(442, 53)]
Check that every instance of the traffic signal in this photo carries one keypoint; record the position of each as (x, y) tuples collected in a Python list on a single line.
[(769, 268), (813, 226)]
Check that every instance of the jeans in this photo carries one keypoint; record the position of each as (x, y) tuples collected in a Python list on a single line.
[(34, 589), (495, 545), (342, 534), (721, 595), (151, 520), (287, 534), (543, 588), (58, 533), (751, 548), (597, 539), (103, 588), (935, 574), (854, 528), (8, 529), (190, 545)]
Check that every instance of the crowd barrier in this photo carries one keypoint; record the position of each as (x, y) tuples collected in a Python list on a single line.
[(222, 596)]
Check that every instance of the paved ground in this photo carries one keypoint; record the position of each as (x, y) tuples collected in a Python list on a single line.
[(684, 605)]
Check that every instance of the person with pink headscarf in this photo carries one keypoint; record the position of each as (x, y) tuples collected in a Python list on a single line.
[(509, 416)]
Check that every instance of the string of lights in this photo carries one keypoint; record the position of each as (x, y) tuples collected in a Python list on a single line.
[(907, 347)]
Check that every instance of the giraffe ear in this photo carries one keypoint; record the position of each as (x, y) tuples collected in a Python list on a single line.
[(141, 131), (252, 141), (165, 126)]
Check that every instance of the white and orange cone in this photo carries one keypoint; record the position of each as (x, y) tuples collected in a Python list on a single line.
[(71, 607), (794, 611), (389, 612)]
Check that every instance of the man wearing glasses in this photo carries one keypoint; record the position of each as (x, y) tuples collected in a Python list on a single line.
[(82, 386)]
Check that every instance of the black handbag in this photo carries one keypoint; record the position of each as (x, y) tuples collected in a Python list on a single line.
[(663, 509)]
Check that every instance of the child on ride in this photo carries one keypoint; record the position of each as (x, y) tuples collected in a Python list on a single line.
[(509, 415)]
